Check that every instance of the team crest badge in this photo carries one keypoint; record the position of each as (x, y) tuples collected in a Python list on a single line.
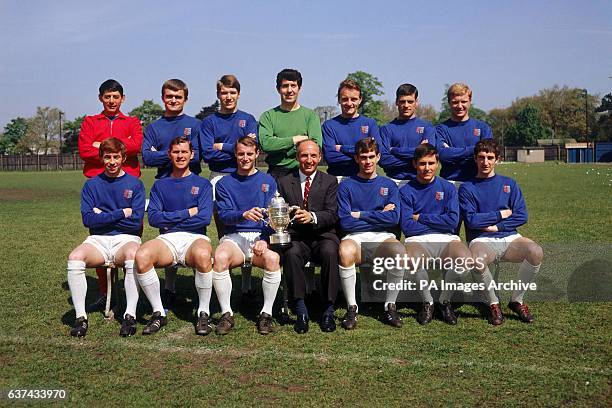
[(187, 132), (242, 123), (265, 188), (195, 190), (439, 195), (127, 193), (506, 189), (365, 129), (384, 191), (420, 129), (477, 132)]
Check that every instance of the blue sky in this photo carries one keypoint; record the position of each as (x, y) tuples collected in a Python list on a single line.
[(57, 53)]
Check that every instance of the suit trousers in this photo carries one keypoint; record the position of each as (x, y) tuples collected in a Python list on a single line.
[(323, 252)]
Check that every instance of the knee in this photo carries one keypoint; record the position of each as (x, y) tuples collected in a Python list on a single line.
[(222, 261), (347, 254), (130, 253), (202, 261), (142, 257), (76, 255), (535, 254), (271, 260)]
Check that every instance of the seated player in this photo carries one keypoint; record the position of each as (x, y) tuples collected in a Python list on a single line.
[(493, 208), (430, 214), (157, 138), (180, 206), (241, 198), (368, 209), (112, 206), (342, 132), (402, 135)]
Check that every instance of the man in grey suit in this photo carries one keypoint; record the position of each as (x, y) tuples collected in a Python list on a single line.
[(313, 233)]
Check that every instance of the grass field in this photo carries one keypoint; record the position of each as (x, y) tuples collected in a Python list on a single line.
[(564, 358)]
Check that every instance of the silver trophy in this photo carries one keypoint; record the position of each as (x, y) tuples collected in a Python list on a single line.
[(278, 217)]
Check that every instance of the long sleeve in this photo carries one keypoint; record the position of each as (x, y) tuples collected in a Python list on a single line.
[(347, 221), (450, 154), (153, 158), (269, 141), (519, 211), (384, 218), (409, 226), (225, 207), (329, 145), (449, 219), (86, 138), (207, 139), (133, 142), (202, 219), (134, 222), (469, 206), (163, 219), (90, 218), (329, 216)]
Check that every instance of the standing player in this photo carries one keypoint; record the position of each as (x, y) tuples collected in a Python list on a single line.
[(241, 198), (401, 136), (112, 206), (368, 209), (342, 132), (313, 233), (493, 208), (456, 137), (430, 215), (219, 133), (157, 138), (281, 128), (111, 122), (180, 206)]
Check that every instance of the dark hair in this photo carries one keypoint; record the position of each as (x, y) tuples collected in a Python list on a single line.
[(406, 89), (178, 140), (246, 141), (365, 145), (112, 145), (229, 81), (175, 85), (349, 84), (288, 74), (297, 146), (487, 146), (110, 85), (425, 149)]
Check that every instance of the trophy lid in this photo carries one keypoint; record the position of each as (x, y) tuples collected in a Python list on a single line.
[(277, 201)]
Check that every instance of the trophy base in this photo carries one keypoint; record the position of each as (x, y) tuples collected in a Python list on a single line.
[(280, 239)]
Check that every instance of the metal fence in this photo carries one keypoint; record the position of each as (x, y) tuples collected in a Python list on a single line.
[(72, 161)]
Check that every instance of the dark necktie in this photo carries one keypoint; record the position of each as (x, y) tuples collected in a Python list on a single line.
[(306, 192)]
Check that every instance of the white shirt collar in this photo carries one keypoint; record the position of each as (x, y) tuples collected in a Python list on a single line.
[(303, 176)]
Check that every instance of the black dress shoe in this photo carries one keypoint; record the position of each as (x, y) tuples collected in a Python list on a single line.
[(328, 324), (301, 325), (447, 312)]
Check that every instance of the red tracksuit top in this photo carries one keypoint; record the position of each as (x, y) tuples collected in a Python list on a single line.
[(98, 127)]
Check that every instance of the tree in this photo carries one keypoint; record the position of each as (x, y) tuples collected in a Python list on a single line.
[(208, 110), (147, 112), (528, 128), (42, 135), (427, 112), (70, 135), (326, 112), (603, 126), (13, 132), (370, 87)]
